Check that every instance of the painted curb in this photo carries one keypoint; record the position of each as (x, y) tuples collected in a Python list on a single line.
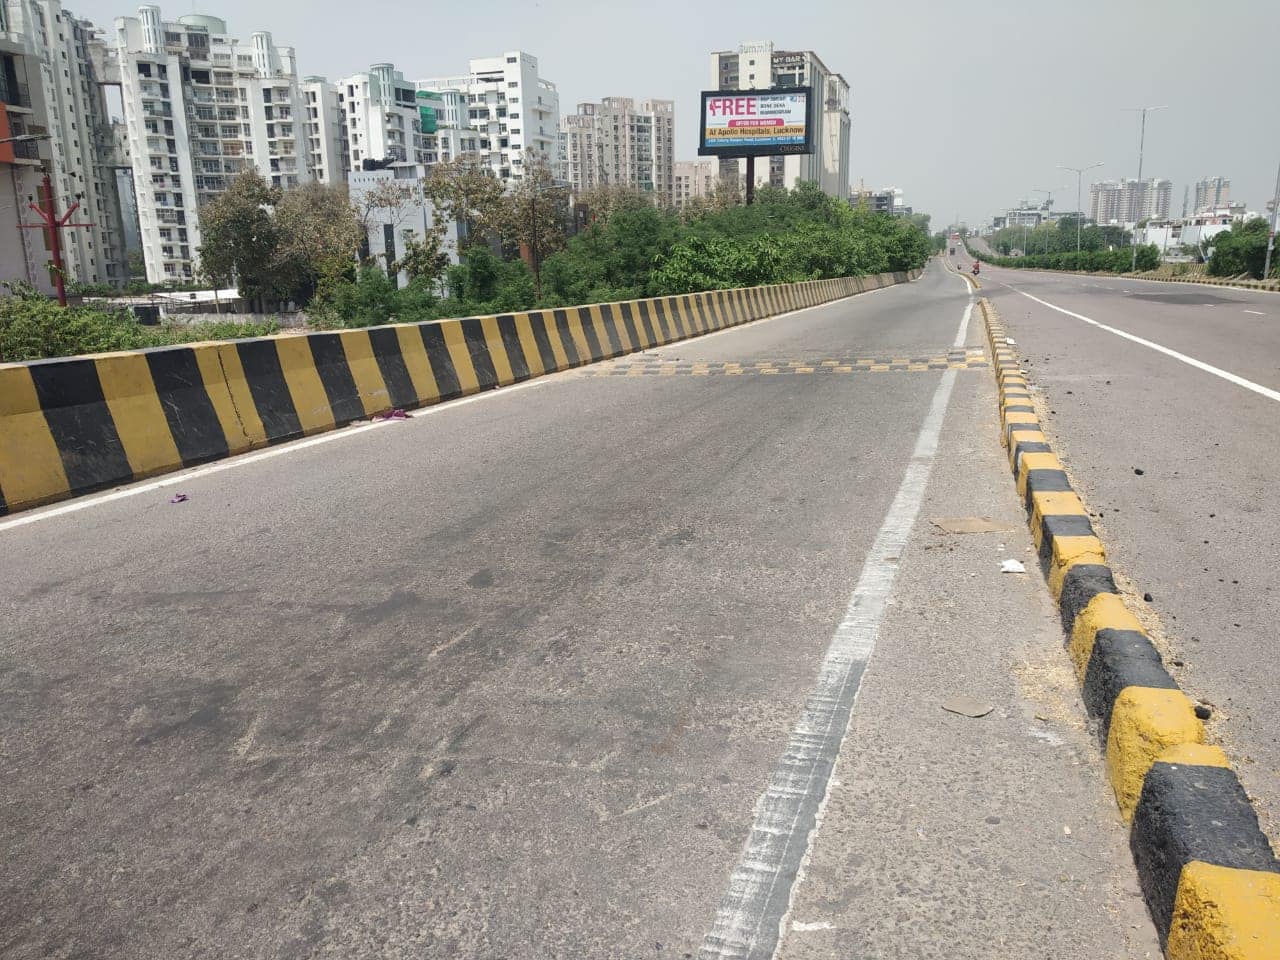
[(1210, 878), (74, 425)]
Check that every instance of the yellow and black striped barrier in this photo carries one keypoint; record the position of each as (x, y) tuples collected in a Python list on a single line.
[(1210, 878), (71, 426)]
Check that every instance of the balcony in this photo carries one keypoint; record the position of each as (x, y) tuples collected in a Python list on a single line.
[(18, 95)]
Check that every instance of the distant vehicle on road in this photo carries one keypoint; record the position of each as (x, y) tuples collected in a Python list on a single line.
[(953, 251)]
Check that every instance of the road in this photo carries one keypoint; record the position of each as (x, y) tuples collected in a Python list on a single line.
[(1194, 408), (522, 676)]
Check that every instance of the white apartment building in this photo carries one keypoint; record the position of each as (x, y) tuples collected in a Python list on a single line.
[(1129, 201), (327, 152), (509, 107), (693, 180), (381, 111), (388, 228), (81, 151), (22, 113), (613, 143), (1212, 193), (757, 66), (200, 108)]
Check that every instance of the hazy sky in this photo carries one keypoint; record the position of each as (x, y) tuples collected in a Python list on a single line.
[(967, 105)]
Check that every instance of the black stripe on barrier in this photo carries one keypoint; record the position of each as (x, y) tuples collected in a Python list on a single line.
[(441, 363), (1044, 480), (654, 318), (629, 324), (589, 331), (566, 338), (194, 423), (1061, 525), (515, 351), (543, 341), (71, 399), (640, 317), (269, 389), (1028, 446), (1188, 812), (616, 349), (696, 319), (331, 362), (726, 315), (4, 507), (395, 373), (473, 335), (1119, 659), (1080, 584)]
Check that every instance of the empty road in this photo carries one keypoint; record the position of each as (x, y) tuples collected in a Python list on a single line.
[(569, 670)]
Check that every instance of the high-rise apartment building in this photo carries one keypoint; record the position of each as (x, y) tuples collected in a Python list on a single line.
[(1129, 201), (510, 108), (22, 162), (325, 124), (81, 151), (381, 117), (755, 66), (694, 180), (1212, 193), (201, 107), (614, 143)]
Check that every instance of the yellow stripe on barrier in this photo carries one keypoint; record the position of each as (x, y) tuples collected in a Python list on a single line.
[(460, 354), (416, 361), (228, 391), (497, 351), (305, 387), (1144, 722), (31, 471), (140, 423), (374, 395), (1224, 913), (532, 356)]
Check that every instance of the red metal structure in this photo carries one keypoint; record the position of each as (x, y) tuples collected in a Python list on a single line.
[(53, 226)]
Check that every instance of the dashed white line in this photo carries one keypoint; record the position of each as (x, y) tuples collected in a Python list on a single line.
[(1256, 313)]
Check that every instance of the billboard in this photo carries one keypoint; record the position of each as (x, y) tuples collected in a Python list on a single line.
[(756, 123)]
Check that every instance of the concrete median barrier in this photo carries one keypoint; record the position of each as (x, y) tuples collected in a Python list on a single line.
[(76, 425), (1209, 876)]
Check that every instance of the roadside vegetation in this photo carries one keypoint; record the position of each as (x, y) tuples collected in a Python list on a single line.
[(522, 249), (33, 327)]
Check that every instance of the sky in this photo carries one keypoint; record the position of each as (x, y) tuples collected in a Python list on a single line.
[(968, 107)]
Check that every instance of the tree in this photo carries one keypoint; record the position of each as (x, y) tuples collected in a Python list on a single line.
[(239, 238), (603, 201), (1242, 249), (466, 192), (532, 216), (318, 238), (423, 259)]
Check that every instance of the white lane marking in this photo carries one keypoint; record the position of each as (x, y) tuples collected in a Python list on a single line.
[(756, 906), (1256, 313), (1159, 348), (343, 433)]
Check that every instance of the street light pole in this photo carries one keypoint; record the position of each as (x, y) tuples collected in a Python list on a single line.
[(1079, 172), (1142, 141), (1271, 240)]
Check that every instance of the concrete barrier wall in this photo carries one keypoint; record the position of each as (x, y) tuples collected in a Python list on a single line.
[(71, 426)]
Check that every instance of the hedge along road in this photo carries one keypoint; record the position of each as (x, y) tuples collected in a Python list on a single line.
[(510, 678), (1192, 403)]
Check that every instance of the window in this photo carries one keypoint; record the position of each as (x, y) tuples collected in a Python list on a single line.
[(513, 84), (511, 59)]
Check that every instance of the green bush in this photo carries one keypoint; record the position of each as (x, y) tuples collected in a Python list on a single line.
[(1242, 249), (36, 328), (1091, 261)]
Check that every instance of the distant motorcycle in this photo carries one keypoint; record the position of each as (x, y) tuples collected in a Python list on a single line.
[(975, 268)]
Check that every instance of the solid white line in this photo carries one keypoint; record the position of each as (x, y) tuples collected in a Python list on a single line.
[(754, 911), (1256, 313), (341, 433), (1159, 348)]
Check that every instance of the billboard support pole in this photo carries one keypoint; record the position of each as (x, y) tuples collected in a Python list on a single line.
[(751, 180)]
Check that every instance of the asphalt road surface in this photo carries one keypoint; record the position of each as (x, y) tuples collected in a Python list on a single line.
[(1195, 409), (532, 675)]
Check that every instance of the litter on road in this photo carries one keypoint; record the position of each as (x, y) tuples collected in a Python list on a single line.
[(1012, 566)]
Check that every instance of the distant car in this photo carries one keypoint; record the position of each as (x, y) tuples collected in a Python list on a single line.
[(953, 251)]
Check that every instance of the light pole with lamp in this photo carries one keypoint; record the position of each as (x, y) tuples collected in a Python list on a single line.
[(1079, 172), (1142, 141)]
